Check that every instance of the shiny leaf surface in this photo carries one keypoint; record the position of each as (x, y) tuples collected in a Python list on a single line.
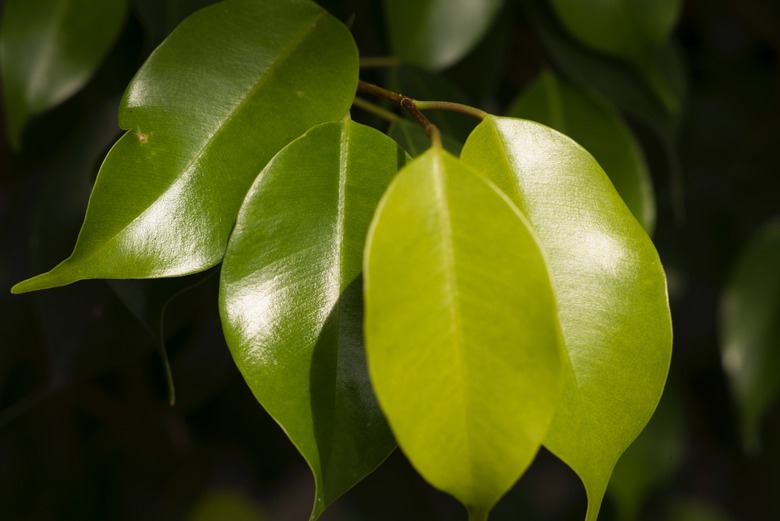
[(461, 329), (291, 298), (49, 49), (609, 284), (205, 113), (593, 123), (434, 34), (625, 28), (750, 331)]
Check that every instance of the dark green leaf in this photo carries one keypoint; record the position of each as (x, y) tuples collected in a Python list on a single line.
[(462, 335), (750, 331), (434, 34), (49, 49), (624, 28), (618, 82), (609, 284), (231, 86), (291, 304), (593, 123)]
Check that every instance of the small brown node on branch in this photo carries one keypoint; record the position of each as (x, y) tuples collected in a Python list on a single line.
[(142, 138)]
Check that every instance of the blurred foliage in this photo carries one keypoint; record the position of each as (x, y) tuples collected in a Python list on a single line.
[(86, 431)]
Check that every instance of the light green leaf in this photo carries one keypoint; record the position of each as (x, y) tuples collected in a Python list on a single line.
[(49, 49), (609, 284), (593, 123), (434, 34), (624, 28), (227, 89), (290, 298), (750, 331), (461, 329)]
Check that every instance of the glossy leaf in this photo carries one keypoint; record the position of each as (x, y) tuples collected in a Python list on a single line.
[(593, 123), (205, 113), (609, 284), (434, 34), (625, 28), (750, 331), (461, 329), (290, 298), (49, 49)]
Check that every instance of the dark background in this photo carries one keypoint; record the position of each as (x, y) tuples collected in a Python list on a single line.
[(85, 428)]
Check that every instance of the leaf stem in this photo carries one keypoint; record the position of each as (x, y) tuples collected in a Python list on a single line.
[(411, 106), (452, 107), (376, 110), (379, 62)]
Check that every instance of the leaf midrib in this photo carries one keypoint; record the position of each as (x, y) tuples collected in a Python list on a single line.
[(451, 289)]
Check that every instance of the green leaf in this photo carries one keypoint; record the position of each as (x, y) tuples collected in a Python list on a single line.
[(591, 121), (618, 82), (49, 49), (290, 298), (624, 28), (434, 34), (230, 86), (461, 329), (609, 284), (750, 331)]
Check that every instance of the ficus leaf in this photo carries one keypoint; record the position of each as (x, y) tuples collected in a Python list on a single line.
[(227, 89), (593, 123), (434, 34), (623, 28), (49, 49), (291, 298), (615, 80), (609, 284), (750, 331), (461, 329)]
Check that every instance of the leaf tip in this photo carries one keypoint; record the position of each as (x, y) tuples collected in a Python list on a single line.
[(51, 279)]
